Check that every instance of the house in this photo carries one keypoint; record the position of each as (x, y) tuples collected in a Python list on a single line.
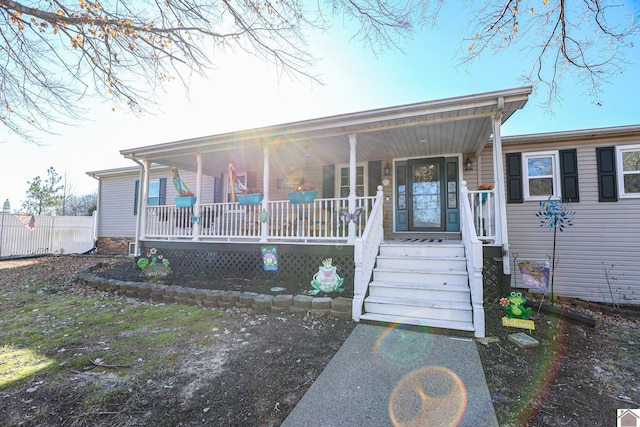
[(628, 418), (397, 206)]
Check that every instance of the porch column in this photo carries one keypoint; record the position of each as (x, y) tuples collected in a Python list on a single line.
[(264, 226), (352, 186), (144, 198), (195, 235), (500, 189)]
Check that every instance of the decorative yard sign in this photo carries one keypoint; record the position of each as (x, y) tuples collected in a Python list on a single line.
[(269, 258), (326, 279), (517, 313), (535, 274)]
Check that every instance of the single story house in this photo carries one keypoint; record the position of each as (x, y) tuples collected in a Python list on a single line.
[(410, 203)]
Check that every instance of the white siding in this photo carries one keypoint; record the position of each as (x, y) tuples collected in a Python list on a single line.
[(117, 197), (603, 234)]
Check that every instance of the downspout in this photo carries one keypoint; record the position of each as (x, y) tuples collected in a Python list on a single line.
[(196, 208), (352, 186), (500, 192), (96, 215), (141, 180), (264, 225)]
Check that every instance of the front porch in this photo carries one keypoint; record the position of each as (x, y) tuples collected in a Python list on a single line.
[(422, 188)]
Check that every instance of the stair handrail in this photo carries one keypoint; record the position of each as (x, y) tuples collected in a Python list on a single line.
[(473, 253), (365, 251)]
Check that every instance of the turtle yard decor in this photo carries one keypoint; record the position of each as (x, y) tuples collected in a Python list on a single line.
[(154, 266), (326, 279)]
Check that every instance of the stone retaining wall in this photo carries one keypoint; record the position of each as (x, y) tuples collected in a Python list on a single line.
[(260, 303)]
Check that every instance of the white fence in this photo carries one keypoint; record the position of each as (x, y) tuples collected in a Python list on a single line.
[(49, 234)]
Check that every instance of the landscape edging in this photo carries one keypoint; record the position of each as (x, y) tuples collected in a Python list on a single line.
[(339, 307)]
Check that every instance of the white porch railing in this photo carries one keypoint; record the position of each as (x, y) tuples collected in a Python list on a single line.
[(483, 212), (317, 221), (365, 252), (49, 235), (473, 253)]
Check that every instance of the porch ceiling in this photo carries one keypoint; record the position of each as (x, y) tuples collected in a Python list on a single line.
[(434, 128)]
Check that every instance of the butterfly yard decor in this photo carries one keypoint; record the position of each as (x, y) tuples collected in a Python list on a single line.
[(347, 217)]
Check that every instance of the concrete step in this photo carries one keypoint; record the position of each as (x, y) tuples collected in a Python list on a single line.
[(418, 276), (417, 308), (440, 263), (422, 291), (433, 323)]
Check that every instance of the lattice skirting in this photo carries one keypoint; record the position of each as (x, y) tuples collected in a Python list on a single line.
[(296, 263), (496, 283)]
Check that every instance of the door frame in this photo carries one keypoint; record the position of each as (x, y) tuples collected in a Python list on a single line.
[(402, 204)]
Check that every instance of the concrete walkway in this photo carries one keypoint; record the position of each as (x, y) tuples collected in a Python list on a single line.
[(402, 377)]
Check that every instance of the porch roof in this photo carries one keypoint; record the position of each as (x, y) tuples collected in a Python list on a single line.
[(432, 128)]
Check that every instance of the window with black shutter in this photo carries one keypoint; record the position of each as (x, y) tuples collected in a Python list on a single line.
[(569, 175), (607, 185), (514, 177)]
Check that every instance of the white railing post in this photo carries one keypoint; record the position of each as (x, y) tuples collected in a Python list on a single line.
[(474, 255), (365, 251)]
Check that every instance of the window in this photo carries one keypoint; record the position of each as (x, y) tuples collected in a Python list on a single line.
[(157, 193), (343, 185), (628, 159), (541, 176), (154, 194)]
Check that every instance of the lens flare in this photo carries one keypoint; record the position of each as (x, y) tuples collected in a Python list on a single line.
[(430, 396)]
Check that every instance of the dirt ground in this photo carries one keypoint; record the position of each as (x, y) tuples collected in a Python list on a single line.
[(263, 364)]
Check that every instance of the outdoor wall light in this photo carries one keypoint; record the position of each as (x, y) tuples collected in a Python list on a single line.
[(468, 164), (387, 169)]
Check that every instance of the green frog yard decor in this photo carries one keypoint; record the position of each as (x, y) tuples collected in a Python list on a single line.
[(326, 279), (517, 312)]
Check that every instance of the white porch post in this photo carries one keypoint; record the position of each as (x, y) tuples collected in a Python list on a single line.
[(264, 226), (144, 198), (196, 208), (352, 186), (500, 188)]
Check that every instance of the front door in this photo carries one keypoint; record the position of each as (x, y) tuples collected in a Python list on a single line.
[(425, 185), (426, 196)]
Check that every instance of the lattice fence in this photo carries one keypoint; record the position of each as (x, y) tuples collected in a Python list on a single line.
[(293, 267)]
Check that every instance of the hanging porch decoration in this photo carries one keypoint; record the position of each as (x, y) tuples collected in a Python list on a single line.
[(239, 192), (185, 197), (326, 279)]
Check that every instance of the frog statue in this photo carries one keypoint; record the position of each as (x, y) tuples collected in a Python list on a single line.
[(514, 306), (326, 279)]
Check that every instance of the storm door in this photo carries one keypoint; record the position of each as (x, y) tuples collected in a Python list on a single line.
[(426, 194)]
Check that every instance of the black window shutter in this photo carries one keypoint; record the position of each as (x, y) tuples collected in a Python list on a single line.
[(607, 185), (569, 175), (328, 181), (135, 198), (162, 193), (514, 177), (252, 181), (374, 176)]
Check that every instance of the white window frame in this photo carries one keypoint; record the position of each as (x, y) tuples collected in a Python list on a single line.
[(620, 172), (156, 185), (365, 177), (555, 176)]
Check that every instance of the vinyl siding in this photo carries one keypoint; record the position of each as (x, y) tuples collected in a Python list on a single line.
[(603, 234), (117, 197)]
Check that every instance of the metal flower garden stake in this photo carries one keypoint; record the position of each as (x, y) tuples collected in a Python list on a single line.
[(555, 215)]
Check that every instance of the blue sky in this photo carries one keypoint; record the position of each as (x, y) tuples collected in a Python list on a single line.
[(242, 93)]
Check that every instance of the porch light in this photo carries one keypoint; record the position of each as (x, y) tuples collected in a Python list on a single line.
[(387, 169), (468, 164)]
